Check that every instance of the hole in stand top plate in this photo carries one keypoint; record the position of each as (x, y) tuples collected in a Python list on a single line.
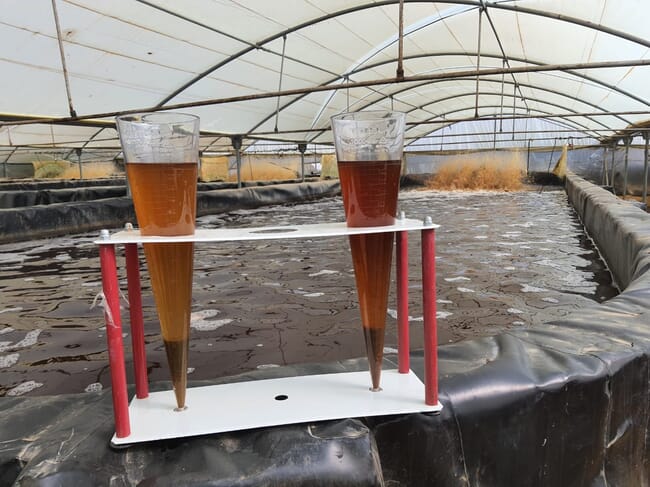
[(281, 397)]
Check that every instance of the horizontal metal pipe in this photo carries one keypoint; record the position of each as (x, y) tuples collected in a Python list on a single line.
[(349, 85)]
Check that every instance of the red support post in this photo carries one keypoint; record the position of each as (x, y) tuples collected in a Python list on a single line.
[(114, 337), (402, 303), (429, 310), (137, 321)]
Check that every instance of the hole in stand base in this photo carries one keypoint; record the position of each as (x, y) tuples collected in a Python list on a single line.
[(281, 397)]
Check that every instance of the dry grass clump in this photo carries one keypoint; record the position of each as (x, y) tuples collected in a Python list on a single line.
[(91, 170), (479, 173), (62, 169), (264, 171)]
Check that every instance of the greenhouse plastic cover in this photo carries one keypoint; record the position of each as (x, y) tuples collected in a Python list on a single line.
[(137, 55)]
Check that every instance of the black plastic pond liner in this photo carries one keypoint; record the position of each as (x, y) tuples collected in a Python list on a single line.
[(22, 198), (566, 404), (41, 221), (37, 185)]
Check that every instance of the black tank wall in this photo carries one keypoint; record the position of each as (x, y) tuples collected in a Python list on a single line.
[(566, 404), (71, 217)]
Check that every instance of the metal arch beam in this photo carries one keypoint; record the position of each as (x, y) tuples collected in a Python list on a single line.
[(512, 58), (555, 105), (544, 114), (423, 107), (263, 42), (339, 13), (579, 126), (503, 51), (459, 53), (566, 118), (22, 120), (487, 80)]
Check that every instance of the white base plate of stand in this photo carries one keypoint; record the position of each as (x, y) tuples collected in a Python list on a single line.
[(273, 402)]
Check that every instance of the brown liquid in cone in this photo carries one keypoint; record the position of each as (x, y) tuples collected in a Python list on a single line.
[(165, 199), (370, 191)]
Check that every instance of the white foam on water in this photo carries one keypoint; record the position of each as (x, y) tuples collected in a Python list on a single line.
[(524, 225), (31, 338), (267, 366), (324, 272), (11, 258), (190, 370), (7, 361), (272, 284), (550, 300), (11, 310), (532, 289), (480, 237), (7, 329), (24, 388), (92, 284), (515, 311), (444, 301), (509, 268), (70, 278), (393, 314), (457, 279), (199, 320), (62, 257), (313, 295), (482, 226), (390, 350), (518, 322), (443, 314), (550, 263), (94, 387), (577, 280), (465, 290), (501, 254)]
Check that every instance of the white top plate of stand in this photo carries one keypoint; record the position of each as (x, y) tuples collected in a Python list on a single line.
[(267, 233), (272, 402)]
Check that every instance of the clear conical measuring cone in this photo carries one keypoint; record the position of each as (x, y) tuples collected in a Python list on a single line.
[(369, 158), (161, 155)]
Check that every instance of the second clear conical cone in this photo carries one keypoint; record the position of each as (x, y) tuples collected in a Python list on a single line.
[(372, 256)]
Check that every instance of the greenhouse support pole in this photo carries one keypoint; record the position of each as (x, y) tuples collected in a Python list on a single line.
[(528, 158), (604, 181), (302, 148), (628, 140), (78, 151), (236, 141), (478, 60), (611, 178), (645, 170)]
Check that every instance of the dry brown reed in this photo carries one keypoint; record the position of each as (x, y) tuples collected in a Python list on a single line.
[(261, 171), (480, 172)]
